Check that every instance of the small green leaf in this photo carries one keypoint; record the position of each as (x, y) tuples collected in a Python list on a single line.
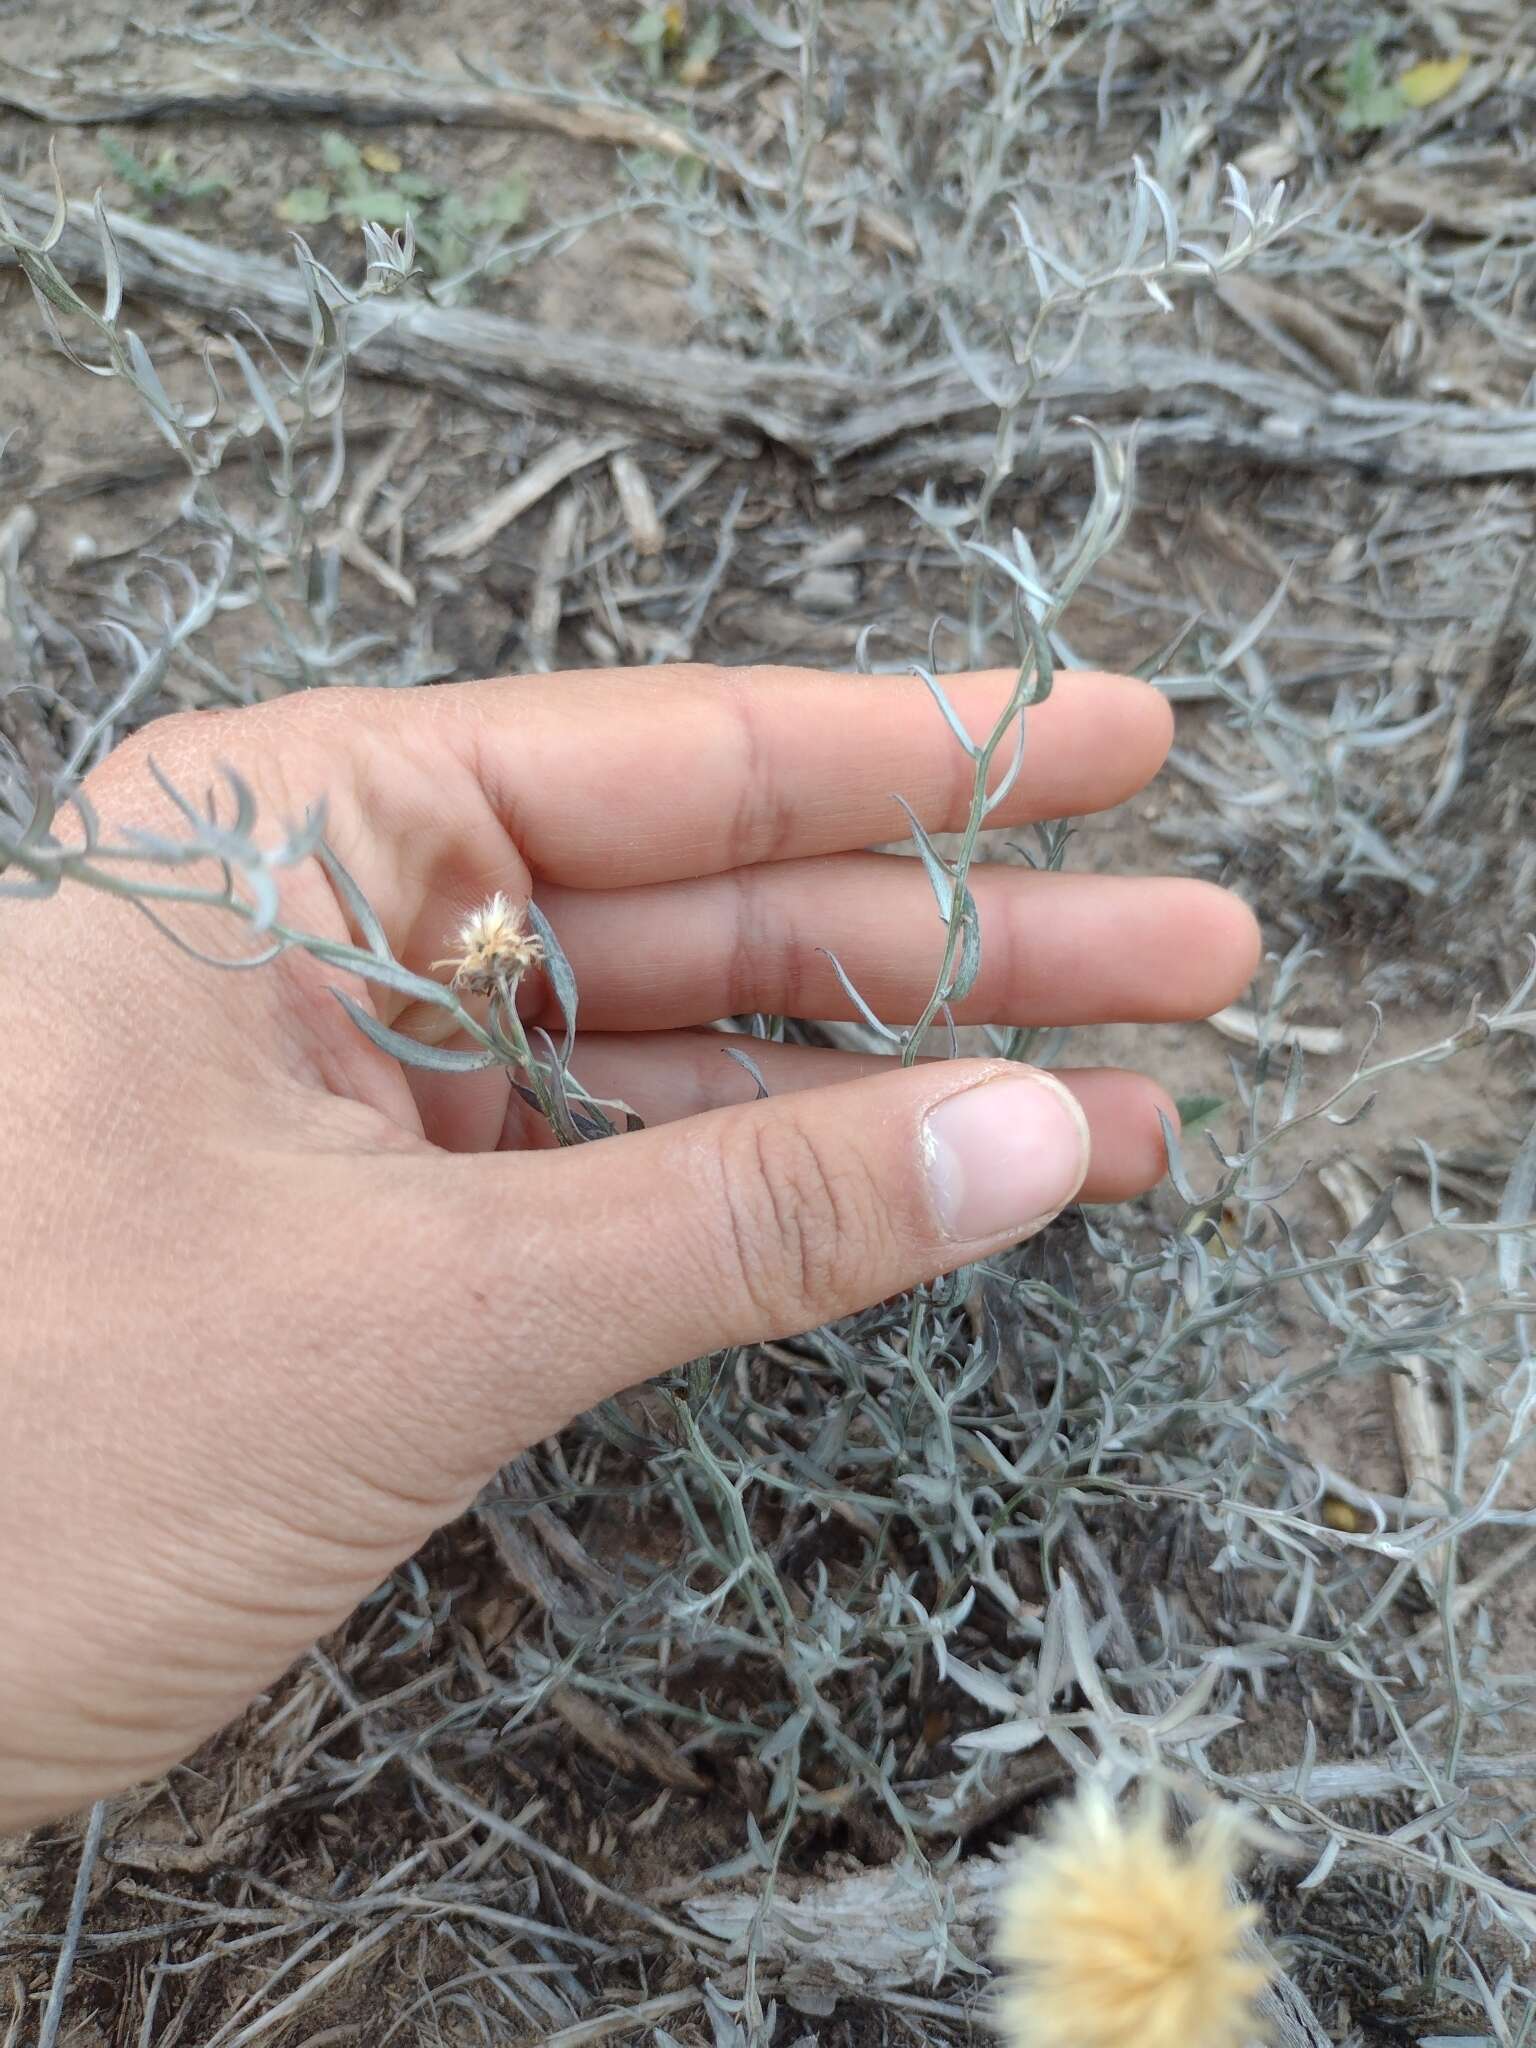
[(122, 161), (338, 154), (306, 205), (376, 202), (1369, 101), (650, 28), (505, 204), (702, 52), (1196, 1111), (1379, 109), (144, 178), (1362, 72), (47, 282), (416, 185)]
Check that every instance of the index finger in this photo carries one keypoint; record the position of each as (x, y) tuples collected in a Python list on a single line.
[(604, 780)]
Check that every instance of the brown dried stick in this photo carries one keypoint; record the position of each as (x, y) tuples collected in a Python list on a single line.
[(1418, 1430), (1191, 408), (535, 482), (546, 601), (873, 1930), (389, 102), (691, 395)]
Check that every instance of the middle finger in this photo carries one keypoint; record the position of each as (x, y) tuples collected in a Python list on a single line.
[(1055, 948)]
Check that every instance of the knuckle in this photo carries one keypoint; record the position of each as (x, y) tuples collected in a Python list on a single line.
[(802, 1228), (762, 957)]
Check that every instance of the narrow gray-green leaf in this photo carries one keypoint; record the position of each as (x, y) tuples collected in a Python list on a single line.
[(1175, 1152), (558, 1107), (940, 880), (385, 973), (1371, 1222), (1148, 185), (410, 1052), (745, 1060), (162, 408), (936, 691), (356, 904), (562, 978), (970, 951), (111, 265), (260, 391), (891, 1037)]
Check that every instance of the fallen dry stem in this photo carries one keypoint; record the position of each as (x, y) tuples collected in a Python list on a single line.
[(392, 101), (701, 395)]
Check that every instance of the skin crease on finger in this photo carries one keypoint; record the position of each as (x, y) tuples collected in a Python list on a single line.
[(299, 1304)]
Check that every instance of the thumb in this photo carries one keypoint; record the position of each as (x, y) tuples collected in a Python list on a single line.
[(636, 1253)]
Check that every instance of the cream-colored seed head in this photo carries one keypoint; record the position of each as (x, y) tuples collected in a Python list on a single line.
[(493, 948), (1111, 1935)]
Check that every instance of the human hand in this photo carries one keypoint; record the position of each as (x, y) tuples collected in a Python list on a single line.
[(276, 1307)]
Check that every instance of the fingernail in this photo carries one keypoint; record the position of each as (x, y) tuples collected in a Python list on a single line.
[(1005, 1156)]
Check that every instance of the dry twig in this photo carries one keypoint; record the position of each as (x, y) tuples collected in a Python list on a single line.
[(519, 496), (545, 601), (1244, 1027), (1418, 1432), (640, 1749)]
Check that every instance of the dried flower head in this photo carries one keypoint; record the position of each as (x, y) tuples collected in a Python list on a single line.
[(1111, 1933), (494, 951)]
